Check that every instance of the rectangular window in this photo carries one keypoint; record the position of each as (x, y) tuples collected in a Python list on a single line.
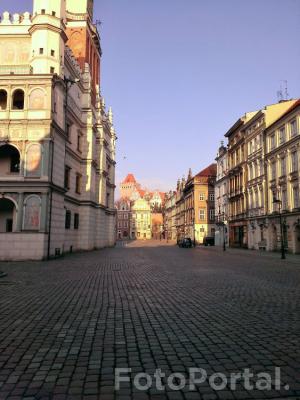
[(296, 196), (53, 13), (202, 214), (294, 159), (284, 199), (79, 142), (76, 221), (68, 133), (41, 50), (52, 53), (67, 177), (283, 167), (212, 214), (202, 196), (281, 135), (52, 70), (43, 11), (272, 142), (212, 197), (78, 183), (273, 170), (68, 220), (293, 128)]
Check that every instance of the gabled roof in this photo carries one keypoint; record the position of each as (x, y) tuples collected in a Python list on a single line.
[(289, 110), (129, 179)]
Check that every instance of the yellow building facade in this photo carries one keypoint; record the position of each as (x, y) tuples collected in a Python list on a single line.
[(141, 222)]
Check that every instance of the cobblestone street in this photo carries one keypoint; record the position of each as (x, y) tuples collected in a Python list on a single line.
[(67, 324)]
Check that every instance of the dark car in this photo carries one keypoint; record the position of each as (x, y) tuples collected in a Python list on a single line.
[(209, 241), (186, 243)]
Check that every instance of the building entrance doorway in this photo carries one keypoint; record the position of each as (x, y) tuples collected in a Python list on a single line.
[(297, 239)]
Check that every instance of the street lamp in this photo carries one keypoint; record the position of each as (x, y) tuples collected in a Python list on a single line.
[(279, 202)]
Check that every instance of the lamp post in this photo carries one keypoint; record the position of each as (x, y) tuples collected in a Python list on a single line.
[(224, 233), (279, 202)]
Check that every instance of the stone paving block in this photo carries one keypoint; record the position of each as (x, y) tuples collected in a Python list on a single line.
[(72, 321)]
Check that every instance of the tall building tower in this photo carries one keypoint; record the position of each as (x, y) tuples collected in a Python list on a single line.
[(83, 38), (48, 36)]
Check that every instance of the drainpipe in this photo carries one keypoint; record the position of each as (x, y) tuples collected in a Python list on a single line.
[(51, 199)]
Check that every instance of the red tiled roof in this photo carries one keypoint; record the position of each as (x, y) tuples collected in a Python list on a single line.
[(211, 170), (141, 192), (129, 179)]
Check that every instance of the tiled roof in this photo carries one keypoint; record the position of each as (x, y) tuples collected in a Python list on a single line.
[(211, 170), (129, 179)]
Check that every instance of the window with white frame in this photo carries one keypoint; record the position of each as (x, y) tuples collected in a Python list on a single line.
[(202, 214), (293, 128), (201, 196), (212, 214), (212, 197)]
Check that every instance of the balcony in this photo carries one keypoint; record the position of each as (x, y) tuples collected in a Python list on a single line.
[(293, 176), (16, 70)]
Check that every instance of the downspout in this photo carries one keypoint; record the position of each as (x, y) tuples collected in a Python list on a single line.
[(51, 200)]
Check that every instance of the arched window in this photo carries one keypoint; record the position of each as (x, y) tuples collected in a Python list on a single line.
[(37, 99), (9, 160), (34, 156), (3, 99), (18, 100), (32, 211)]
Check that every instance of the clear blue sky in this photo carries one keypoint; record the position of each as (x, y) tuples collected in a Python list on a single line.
[(178, 73)]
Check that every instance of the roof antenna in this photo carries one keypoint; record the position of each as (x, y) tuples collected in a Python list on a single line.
[(280, 94), (283, 94), (286, 94)]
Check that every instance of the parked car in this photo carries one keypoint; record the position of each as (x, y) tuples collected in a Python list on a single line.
[(209, 241), (185, 242)]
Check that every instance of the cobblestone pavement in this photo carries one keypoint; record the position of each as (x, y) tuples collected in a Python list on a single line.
[(66, 325)]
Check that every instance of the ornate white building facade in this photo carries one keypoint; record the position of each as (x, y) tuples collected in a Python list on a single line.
[(221, 197), (57, 141)]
